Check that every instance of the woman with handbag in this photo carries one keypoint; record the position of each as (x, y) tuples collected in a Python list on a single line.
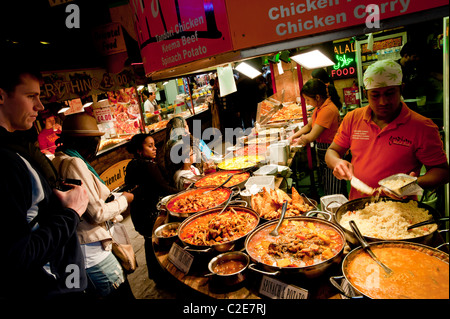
[(78, 144), (144, 172)]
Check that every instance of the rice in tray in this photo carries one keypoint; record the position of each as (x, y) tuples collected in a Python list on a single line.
[(389, 220)]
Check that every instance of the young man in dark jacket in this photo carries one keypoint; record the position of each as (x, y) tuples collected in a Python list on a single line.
[(41, 255)]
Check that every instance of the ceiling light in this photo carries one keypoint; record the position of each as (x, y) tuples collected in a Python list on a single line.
[(44, 42), (248, 70), (312, 60), (87, 104), (140, 87), (165, 83)]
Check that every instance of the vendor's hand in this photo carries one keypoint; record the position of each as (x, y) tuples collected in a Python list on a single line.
[(295, 142), (76, 198), (343, 170), (386, 193)]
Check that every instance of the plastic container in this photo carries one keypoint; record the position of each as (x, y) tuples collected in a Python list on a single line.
[(261, 181), (331, 203), (266, 170)]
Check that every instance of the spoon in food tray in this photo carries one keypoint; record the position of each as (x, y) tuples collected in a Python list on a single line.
[(362, 187), (274, 232), (366, 247), (226, 181), (427, 222), (223, 209)]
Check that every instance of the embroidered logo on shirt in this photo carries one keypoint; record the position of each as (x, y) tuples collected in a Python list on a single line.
[(401, 141), (360, 135)]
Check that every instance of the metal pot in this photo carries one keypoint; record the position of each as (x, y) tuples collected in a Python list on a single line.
[(221, 247), (360, 203), (240, 185), (161, 206), (163, 240), (231, 193), (435, 252), (312, 271), (233, 278)]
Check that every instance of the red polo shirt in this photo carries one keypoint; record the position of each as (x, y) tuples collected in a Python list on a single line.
[(401, 147), (327, 115)]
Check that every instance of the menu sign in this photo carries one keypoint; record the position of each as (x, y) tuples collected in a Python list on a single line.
[(276, 289), (175, 32), (275, 21), (180, 258)]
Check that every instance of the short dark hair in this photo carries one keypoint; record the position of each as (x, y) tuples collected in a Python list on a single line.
[(15, 65)]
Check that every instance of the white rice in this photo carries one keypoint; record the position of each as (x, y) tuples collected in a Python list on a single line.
[(389, 220)]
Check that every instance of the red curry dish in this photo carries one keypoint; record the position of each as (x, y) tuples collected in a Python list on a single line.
[(418, 272), (211, 228), (196, 200), (216, 179), (300, 244)]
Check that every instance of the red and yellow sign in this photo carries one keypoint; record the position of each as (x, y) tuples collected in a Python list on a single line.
[(175, 32), (259, 22)]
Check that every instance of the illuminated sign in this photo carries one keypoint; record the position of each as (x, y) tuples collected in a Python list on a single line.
[(344, 59)]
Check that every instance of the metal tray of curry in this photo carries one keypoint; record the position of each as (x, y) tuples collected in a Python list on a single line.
[(196, 200), (213, 231), (419, 271), (217, 178), (306, 246)]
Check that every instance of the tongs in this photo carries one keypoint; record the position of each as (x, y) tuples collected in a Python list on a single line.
[(427, 222)]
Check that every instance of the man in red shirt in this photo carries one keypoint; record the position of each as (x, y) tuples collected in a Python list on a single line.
[(386, 137)]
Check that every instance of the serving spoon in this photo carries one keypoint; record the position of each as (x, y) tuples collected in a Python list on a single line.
[(367, 248), (427, 222), (274, 232), (226, 181)]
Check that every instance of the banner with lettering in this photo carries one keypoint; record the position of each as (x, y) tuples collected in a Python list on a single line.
[(62, 86), (174, 32), (259, 22)]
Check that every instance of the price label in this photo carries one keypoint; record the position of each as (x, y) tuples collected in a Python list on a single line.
[(103, 115), (180, 258), (276, 289)]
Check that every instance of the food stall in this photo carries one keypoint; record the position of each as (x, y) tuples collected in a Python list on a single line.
[(270, 270)]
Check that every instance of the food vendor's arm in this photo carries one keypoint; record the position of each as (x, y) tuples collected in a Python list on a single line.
[(342, 169), (311, 136), (305, 129), (435, 176)]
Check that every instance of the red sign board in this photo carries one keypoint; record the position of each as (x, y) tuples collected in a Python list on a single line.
[(259, 22), (174, 32)]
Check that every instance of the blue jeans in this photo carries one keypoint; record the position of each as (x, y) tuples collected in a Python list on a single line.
[(105, 277)]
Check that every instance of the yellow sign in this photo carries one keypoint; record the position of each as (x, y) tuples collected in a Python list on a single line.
[(115, 175)]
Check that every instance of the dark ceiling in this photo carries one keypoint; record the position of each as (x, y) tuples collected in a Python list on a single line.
[(24, 24)]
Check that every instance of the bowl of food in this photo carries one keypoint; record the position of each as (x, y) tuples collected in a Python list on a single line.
[(399, 184), (229, 267), (167, 234)]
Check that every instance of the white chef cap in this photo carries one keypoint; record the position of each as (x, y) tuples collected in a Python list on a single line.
[(383, 73)]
